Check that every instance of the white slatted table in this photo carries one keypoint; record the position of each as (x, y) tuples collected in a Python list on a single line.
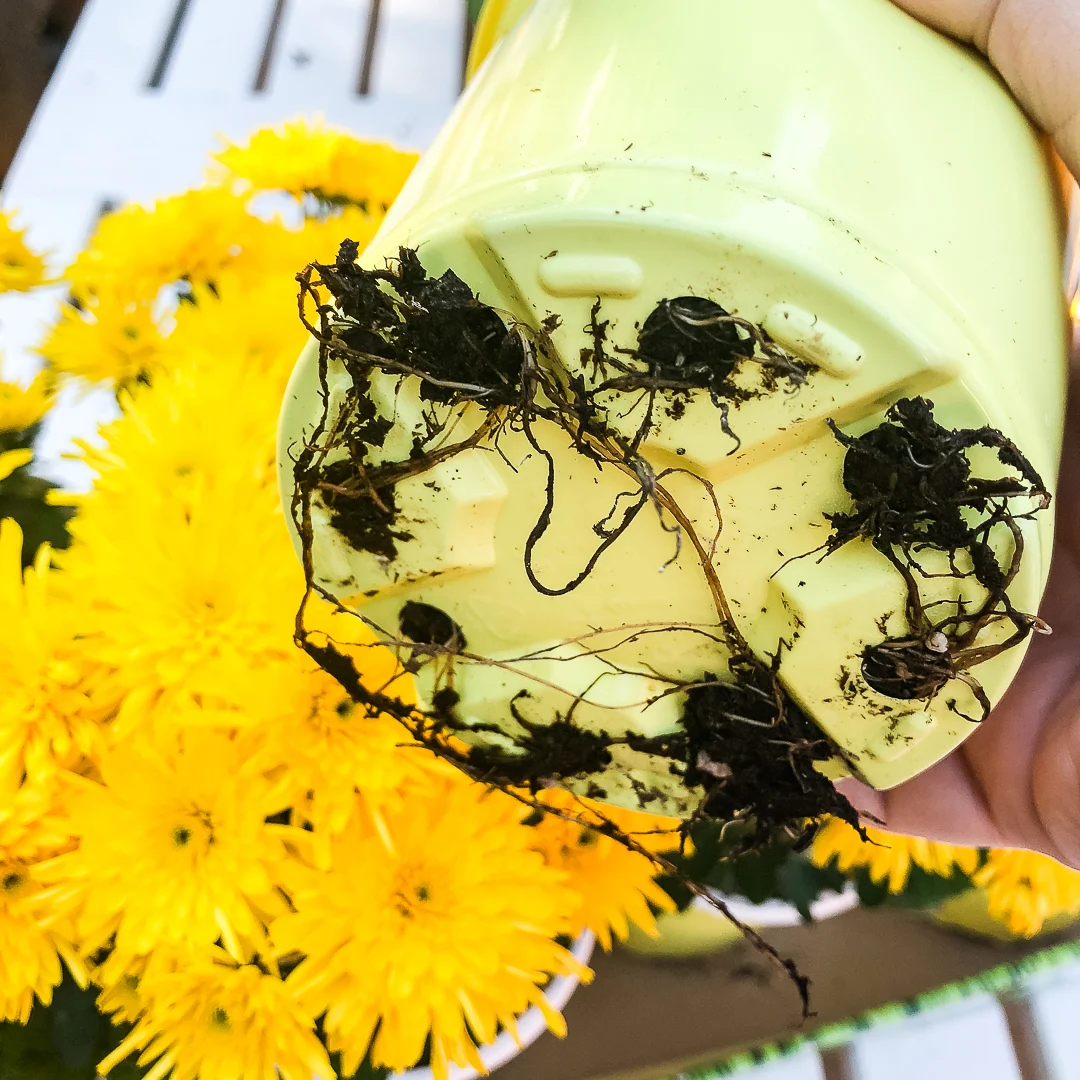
[(146, 88), (143, 92)]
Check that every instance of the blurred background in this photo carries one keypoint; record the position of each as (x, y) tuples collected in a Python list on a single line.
[(33, 34)]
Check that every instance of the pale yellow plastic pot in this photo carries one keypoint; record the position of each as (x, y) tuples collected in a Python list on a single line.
[(831, 170), (969, 913), (701, 929)]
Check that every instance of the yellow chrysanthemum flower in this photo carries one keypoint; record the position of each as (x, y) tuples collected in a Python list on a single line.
[(20, 268), (119, 978), (449, 931), (194, 236), (174, 848), (52, 701), (21, 407), (239, 327), (204, 428), (321, 749), (106, 338), (305, 157), (320, 237), (1024, 890), (34, 936), (615, 886), (206, 608), (888, 857), (214, 1019)]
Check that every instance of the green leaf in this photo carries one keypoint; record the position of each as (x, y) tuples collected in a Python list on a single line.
[(62, 1041), (923, 889), (773, 872), (78, 1031), (801, 882), (22, 497), (474, 9)]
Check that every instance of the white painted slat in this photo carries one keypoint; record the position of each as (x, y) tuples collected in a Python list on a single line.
[(101, 132), (218, 51), (1053, 1006), (419, 53), (805, 1065), (108, 60), (967, 1039), (112, 49), (320, 52)]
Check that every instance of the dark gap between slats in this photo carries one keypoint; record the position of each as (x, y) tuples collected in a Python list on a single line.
[(371, 41), (168, 45), (466, 46), (266, 60), (836, 1063), (1025, 1039)]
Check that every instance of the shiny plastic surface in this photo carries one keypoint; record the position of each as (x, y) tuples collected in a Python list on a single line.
[(830, 169)]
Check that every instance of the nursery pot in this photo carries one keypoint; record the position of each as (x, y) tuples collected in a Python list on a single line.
[(866, 197), (702, 929), (969, 913)]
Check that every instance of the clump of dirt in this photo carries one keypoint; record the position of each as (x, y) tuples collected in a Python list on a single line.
[(692, 341), (753, 752), (915, 490), (547, 753), (906, 670), (401, 321), (429, 625), (364, 517)]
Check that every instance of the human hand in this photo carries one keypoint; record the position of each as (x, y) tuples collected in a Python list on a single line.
[(1016, 781)]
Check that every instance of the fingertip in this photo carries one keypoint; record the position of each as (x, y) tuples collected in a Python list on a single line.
[(967, 20), (942, 803), (869, 803)]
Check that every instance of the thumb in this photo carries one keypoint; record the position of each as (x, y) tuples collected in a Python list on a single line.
[(1034, 44)]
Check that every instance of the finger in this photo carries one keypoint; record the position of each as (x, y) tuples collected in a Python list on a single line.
[(1056, 778), (943, 803), (1001, 753), (1034, 44)]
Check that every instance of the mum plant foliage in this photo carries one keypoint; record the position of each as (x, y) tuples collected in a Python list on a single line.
[(253, 874)]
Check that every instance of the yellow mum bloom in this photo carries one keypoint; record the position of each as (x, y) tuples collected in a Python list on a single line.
[(1024, 890), (214, 1019), (174, 848), (33, 935), (615, 886), (52, 702), (244, 326), (321, 749), (888, 857), (119, 978), (205, 608), (445, 926), (307, 157), (320, 237), (206, 428), (20, 268), (135, 251), (106, 338), (187, 480), (21, 407)]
